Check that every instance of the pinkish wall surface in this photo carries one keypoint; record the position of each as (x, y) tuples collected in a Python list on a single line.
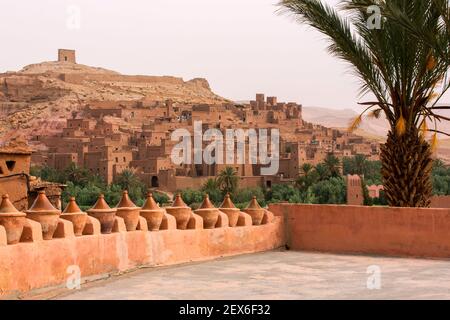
[(440, 202), (26, 267), (367, 230)]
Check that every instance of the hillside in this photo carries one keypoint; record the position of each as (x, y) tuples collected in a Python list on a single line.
[(38, 97), (370, 128)]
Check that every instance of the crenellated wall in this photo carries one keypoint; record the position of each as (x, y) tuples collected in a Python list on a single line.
[(35, 265)]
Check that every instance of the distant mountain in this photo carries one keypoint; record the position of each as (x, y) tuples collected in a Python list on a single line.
[(341, 118), (370, 128), (331, 118)]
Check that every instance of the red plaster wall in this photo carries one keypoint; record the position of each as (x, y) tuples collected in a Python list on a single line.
[(367, 230), (29, 266), (440, 202)]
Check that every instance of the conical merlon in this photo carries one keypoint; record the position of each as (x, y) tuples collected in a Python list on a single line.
[(6, 207), (72, 207), (207, 203), (179, 202), (254, 204), (101, 204), (150, 203), (125, 201), (42, 204), (227, 203)]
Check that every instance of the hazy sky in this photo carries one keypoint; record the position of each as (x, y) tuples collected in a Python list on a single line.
[(240, 46)]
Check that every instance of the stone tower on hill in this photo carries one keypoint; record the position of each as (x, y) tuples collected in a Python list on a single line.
[(65, 55)]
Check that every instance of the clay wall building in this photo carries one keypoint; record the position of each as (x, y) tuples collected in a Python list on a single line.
[(14, 172), (139, 131), (374, 191), (65, 55), (355, 196)]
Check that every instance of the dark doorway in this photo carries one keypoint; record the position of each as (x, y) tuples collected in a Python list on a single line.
[(155, 182), (269, 184)]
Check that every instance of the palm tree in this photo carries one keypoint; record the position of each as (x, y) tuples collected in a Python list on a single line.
[(401, 69), (127, 180), (228, 180), (308, 177), (360, 162), (306, 169), (210, 185), (333, 165), (75, 174), (323, 172)]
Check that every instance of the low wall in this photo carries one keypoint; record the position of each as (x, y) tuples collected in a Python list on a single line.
[(408, 232), (440, 202), (44, 264)]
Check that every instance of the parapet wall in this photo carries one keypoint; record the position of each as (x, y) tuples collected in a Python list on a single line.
[(26, 267), (411, 232)]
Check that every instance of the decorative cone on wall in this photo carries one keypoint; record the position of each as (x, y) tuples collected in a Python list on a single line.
[(12, 220), (128, 211), (74, 214), (103, 213), (255, 211), (181, 212), (209, 213), (152, 213), (230, 210), (46, 214)]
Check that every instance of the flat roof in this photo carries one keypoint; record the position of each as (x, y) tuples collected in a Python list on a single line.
[(288, 275)]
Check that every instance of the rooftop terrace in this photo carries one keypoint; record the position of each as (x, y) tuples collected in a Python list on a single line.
[(280, 275)]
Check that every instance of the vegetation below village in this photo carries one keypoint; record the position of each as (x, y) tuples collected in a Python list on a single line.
[(321, 184)]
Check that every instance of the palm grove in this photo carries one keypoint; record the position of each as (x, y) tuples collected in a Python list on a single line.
[(403, 64)]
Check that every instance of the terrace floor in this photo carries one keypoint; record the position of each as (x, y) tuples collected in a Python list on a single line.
[(280, 275)]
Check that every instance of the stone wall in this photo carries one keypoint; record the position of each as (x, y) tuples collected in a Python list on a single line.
[(411, 232)]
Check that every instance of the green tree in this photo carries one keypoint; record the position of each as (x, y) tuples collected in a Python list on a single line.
[(79, 176), (191, 196), (211, 187), (284, 192), (333, 165), (306, 169), (360, 164), (308, 176), (401, 62), (128, 180), (332, 191), (441, 178), (243, 196), (161, 198), (323, 172), (228, 180)]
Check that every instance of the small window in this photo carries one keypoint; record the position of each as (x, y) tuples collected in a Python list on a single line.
[(1, 170), (10, 165)]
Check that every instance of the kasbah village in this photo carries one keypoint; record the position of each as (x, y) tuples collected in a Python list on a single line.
[(88, 123)]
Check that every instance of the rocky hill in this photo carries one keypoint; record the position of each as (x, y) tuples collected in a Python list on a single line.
[(40, 96)]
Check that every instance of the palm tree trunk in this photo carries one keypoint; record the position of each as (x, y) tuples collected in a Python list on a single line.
[(406, 170)]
